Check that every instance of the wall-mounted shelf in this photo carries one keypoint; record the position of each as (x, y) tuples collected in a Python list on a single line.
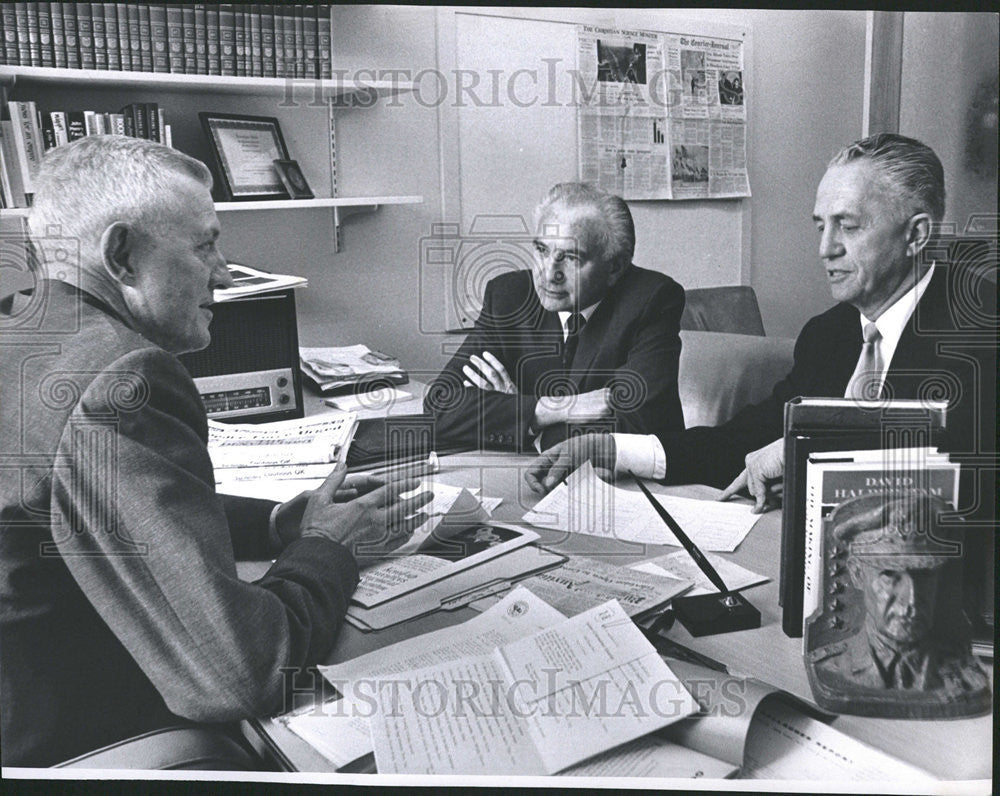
[(339, 90), (348, 205)]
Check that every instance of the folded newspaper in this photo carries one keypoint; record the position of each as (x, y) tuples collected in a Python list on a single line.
[(333, 368), (314, 440)]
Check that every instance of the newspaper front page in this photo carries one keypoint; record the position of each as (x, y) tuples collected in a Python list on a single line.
[(664, 117)]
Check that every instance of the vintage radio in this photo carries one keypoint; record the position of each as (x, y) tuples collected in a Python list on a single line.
[(250, 371)]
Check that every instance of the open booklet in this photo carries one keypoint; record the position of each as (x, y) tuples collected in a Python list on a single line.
[(741, 725), (249, 281)]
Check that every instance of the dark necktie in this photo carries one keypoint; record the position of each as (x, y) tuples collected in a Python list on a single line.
[(574, 325)]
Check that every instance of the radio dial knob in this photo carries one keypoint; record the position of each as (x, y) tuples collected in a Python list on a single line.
[(282, 381), (283, 398)]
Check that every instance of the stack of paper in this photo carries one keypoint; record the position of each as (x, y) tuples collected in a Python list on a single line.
[(586, 504), (334, 368)]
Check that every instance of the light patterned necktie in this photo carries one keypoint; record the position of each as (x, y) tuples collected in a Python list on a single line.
[(866, 381)]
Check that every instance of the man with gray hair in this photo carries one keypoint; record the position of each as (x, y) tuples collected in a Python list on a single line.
[(900, 330), (120, 607), (584, 336)]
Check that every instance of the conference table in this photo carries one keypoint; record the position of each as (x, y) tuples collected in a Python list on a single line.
[(952, 749)]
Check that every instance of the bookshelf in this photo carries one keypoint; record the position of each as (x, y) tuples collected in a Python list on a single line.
[(62, 85)]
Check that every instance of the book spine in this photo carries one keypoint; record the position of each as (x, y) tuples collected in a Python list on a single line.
[(239, 20), (300, 40), (76, 125), (45, 46), (7, 198), (324, 41), (11, 162), (58, 34), (90, 123), (267, 40), (279, 39), (48, 133), (174, 37), (134, 41), (190, 44), (9, 17), (26, 138), (21, 24), (200, 40), (145, 39), (118, 123), (111, 37), (34, 46), (256, 50), (309, 31), (212, 40), (152, 112), (227, 39), (168, 137), (100, 36), (139, 116), (59, 129), (291, 43), (124, 38), (85, 35), (159, 34)]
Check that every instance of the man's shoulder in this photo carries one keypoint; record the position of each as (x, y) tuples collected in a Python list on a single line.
[(834, 320), (642, 280), (512, 281)]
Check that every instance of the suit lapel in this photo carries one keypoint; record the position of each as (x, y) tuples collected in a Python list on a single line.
[(916, 353)]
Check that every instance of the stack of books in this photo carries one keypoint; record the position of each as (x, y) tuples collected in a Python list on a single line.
[(242, 39), (29, 133)]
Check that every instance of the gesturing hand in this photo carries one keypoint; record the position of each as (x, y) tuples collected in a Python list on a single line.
[(488, 373), (762, 477), (370, 525), (560, 460)]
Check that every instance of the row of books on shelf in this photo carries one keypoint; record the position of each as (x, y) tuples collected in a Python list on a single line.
[(29, 133), (241, 39)]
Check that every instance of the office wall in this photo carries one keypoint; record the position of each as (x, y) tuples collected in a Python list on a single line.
[(806, 74), (947, 59)]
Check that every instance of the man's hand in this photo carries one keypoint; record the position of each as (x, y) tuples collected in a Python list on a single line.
[(762, 478), (560, 460), (488, 373), (370, 525), (581, 408)]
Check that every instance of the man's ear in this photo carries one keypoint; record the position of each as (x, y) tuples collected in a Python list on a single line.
[(918, 233), (118, 244)]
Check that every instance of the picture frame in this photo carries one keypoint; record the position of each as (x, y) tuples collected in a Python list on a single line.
[(244, 149), (293, 178)]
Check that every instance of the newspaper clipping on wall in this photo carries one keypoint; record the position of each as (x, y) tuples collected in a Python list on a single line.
[(666, 117)]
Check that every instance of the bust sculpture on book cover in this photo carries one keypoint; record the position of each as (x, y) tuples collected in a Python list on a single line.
[(892, 640)]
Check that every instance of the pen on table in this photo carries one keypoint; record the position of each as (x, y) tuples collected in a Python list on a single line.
[(692, 549), (412, 467)]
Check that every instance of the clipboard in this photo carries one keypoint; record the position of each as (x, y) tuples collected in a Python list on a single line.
[(490, 577)]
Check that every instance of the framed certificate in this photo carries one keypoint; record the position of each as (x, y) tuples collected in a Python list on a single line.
[(245, 148)]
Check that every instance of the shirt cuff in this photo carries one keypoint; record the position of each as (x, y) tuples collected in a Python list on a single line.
[(273, 538), (641, 454)]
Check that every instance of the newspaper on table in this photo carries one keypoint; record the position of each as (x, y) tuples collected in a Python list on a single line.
[(661, 115), (333, 368)]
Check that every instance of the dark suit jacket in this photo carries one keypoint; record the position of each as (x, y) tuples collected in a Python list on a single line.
[(120, 608), (631, 343), (947, 351)]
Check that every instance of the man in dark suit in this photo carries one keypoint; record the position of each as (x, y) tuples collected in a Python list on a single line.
[(906, 327), (585, 336), (120, 607)]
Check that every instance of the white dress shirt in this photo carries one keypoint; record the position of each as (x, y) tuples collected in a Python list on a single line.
[(644, 455)]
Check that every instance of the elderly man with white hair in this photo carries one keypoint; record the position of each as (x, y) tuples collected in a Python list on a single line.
[(120, 607)]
